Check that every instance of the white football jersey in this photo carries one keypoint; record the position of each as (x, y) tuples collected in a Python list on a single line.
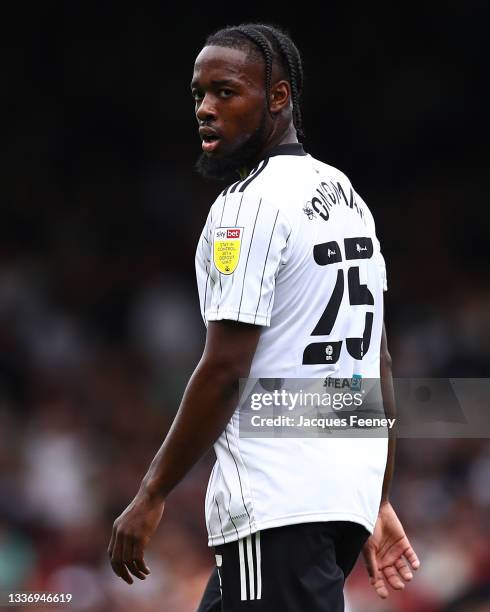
[(293, 248)]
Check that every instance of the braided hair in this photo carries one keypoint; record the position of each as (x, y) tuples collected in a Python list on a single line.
[(272, 45)]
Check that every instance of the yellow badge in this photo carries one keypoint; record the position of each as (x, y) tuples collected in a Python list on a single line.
[(226, 250)]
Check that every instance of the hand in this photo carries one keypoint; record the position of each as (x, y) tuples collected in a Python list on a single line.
[(131, 533), (385, 552)]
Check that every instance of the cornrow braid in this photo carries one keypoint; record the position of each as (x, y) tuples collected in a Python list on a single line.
[(291, 54), (263, 44), (271, 44)]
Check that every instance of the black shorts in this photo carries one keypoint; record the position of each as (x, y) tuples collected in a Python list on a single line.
[(296, 568)]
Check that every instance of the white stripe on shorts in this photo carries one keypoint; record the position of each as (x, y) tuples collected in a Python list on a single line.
[(243, 580), (259, 565), (251, 577), (254, 579)]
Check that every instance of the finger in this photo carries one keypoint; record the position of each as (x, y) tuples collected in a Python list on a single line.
[(122, 571), (393, 578), (131, 562), (117, 559), (138, 554), (403, 570), (127, 557), (369, 555), (380, 588), (133, 568), (127, 549), (376, 577), (412, 558)]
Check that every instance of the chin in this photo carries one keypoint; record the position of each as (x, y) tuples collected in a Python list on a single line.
[(218, 166), (225, 162)]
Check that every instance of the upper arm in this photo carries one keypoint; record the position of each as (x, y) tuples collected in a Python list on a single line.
[(230, 347)]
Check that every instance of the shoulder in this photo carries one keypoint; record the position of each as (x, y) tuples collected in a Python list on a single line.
[(273, 184), (260, 191), (336, 186), (330, 172)]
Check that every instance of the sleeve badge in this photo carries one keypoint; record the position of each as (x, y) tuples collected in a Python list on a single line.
[(226, 248)]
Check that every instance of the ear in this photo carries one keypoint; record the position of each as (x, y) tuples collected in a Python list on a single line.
[(280, 96)]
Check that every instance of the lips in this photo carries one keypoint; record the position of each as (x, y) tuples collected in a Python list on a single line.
[(209, 145), (210, 139)]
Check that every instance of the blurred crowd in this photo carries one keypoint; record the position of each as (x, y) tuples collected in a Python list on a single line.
[(95, 353)]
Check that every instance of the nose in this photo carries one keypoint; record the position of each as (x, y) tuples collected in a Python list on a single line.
[(206, 110)]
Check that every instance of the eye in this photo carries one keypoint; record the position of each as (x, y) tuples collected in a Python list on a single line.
[(225, 93), (197, 95)]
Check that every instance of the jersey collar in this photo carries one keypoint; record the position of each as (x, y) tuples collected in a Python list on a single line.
[(293, 148)]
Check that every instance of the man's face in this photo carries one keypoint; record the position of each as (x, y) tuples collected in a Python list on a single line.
[(228, 88)]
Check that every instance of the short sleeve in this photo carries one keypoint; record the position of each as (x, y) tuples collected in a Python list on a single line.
[(246, 254)]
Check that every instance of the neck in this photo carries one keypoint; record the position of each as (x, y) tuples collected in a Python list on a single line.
[(288, 136)]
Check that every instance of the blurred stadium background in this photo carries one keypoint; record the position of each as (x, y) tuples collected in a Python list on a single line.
[(99, 319)]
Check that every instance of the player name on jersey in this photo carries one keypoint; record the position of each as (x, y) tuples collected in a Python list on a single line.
[(330, 194)]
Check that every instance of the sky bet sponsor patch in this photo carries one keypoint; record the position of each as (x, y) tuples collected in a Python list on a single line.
[(226, 248)]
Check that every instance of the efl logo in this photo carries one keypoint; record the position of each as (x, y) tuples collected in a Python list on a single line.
[(233, 233)]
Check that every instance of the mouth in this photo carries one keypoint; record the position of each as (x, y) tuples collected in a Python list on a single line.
[(209, 143), (210, 138)]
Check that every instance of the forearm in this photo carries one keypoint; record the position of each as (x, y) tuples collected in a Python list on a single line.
[(207, 405), (390, 468), (388, 395)]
